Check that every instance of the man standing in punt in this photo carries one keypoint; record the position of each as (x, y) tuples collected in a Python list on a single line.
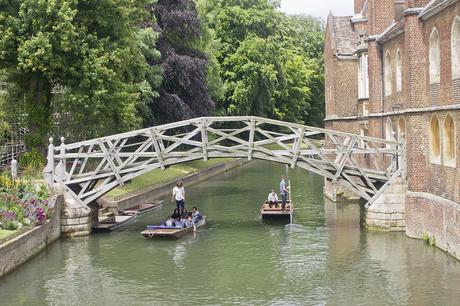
[(179, 195), (284, 190)]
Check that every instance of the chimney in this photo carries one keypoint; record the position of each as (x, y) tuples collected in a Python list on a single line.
[(399, 7), (359, 6)]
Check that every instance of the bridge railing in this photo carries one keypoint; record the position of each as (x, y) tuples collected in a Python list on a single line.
[(91, 168)]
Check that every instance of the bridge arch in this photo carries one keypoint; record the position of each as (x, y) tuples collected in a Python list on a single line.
[(89, 169)]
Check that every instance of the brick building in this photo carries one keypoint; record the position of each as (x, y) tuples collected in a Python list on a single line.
[(393, 71)]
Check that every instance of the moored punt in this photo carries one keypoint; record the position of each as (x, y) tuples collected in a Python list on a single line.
[(161, 231), (125, 217), (274, 213)]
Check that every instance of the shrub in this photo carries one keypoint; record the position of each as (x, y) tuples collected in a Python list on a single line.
[(32, 159)]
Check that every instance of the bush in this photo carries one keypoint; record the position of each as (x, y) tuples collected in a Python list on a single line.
[(32, 160)]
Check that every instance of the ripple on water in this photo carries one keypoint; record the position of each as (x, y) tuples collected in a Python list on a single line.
[(324, 258)]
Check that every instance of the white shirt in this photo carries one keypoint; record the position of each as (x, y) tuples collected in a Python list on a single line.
[(272, 197), (178, 192)]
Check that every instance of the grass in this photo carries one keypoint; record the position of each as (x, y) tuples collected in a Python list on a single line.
[(158, 176)]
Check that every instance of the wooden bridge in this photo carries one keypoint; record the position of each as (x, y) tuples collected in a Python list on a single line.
[(89, 169)]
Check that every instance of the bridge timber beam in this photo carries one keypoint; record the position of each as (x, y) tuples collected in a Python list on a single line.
[(364, 165)]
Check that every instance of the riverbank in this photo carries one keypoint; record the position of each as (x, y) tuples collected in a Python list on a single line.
[(25, 245), (161, 185)]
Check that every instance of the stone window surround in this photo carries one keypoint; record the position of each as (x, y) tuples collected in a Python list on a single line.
[(434, 57), (449, 137), (363, 77), (398, 71), (435, 140), (455, 48), (387, 74)]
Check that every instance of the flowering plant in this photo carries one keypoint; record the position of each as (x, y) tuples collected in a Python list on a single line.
[(22, 203)]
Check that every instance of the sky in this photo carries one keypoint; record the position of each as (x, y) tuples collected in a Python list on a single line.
[(318, 8)]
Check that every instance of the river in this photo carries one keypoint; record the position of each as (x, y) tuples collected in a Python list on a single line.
[(325, 258)]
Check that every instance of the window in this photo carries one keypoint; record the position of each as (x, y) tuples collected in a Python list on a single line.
[(435, 57), (387, 74), (398, 72), (435, 143), (363, 77), (455, 46), (389, 131), (449, 141), (401, 129)]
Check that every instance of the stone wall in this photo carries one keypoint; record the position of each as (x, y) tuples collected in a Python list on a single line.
[(21, 248), (434, 219)]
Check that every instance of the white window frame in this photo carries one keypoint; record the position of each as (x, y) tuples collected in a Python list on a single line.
[(363, 77), (435, 57), (398, 71), (455, 48), (388, 74)]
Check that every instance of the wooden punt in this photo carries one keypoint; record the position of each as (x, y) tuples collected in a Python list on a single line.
[(113, 222), (159, 231), (273, 213)]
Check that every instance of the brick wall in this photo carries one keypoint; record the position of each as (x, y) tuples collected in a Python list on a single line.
[(346, 87), (381, 15), (329, 71), (443, 93), (396, 99)]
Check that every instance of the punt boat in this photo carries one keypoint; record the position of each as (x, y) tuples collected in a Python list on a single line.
[(111, 222), (273, 213), (162, 231)]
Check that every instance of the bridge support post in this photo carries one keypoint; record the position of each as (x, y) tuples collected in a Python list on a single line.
[(48, 172), (387, 212)]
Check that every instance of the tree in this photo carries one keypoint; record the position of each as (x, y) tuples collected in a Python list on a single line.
[(93, 61), (184, 92), (270, 63)]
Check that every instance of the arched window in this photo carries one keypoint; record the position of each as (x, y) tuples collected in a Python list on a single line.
[(435, 143), (448, 139), (455, 46), (401, 128), (387, 74), (398, 72), (435, 57), (389, 130)]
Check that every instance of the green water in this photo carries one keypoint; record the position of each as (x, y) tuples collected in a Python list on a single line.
[(325, 258)]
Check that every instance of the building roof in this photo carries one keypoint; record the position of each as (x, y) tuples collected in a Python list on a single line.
[(434, 7), (345, 38), (391, 32)]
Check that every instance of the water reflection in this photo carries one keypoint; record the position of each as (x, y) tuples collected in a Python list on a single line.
[(324, 258)]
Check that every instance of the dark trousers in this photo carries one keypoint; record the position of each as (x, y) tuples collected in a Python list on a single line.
[(180, 206), (283, 201), (271, 203)]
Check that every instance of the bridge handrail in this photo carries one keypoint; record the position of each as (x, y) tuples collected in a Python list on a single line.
[(99, 165), (227, 119)]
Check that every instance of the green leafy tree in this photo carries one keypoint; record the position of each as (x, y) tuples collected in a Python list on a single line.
[(270, 63), (89, 53)]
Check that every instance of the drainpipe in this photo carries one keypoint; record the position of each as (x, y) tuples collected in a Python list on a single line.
[(382, 87)]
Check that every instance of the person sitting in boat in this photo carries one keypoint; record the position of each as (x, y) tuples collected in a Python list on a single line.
[(189, 220), (196, 216), (176, 214), (170, 222), (273, 199), (184, 214)]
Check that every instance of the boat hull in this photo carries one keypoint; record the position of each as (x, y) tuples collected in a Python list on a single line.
[(171, 233), (125, 217), (274, 213)]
